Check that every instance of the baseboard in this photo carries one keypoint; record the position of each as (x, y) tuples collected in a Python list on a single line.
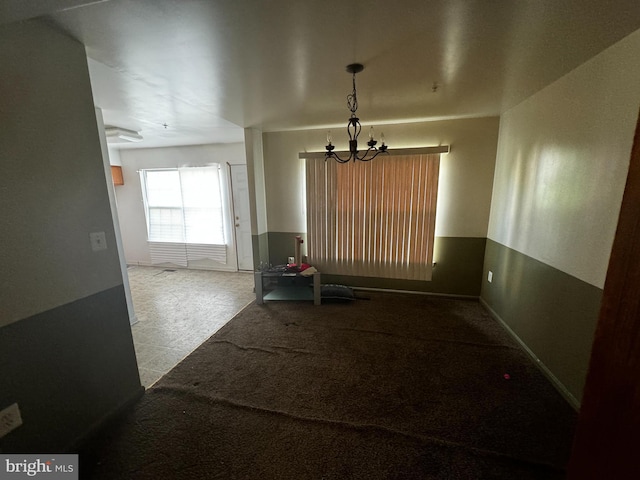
[(138, 264), (181, 267), (98, 426), (573, 401), (415, 292)]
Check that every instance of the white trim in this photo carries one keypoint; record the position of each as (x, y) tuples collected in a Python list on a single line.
[(114, 215)]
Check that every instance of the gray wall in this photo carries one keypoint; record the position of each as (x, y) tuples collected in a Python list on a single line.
[(552, 313), (561, 166), (66, 353), (458, 269)]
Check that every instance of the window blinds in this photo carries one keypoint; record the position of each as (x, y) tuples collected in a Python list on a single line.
[(373, 219), (184, 214)]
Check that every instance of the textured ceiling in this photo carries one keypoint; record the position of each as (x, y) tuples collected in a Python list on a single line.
[(207, 67)]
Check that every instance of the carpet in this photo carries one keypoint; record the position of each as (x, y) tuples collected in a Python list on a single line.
[(398, 386)]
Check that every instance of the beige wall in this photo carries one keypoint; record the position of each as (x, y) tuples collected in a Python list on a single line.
[(54, 190), (563, 156), (466, 174), (562, 161), (255, 171)]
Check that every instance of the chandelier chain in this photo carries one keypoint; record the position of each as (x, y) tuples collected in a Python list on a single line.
[(352, 99)]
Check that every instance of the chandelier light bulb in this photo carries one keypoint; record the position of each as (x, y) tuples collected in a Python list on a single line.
[(371, 133), (382, 138), (329, 136)]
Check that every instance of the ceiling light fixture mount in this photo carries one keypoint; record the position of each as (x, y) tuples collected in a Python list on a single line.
[(120, 135), (354, 128)]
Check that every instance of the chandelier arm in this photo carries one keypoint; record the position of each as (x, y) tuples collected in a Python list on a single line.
[(337, 157), (364, 157)]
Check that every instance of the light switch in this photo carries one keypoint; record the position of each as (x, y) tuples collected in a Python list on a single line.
[(98, 241), (490, 276)]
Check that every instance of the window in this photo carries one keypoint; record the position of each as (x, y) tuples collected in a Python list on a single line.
[(184, 214), (373, 219)]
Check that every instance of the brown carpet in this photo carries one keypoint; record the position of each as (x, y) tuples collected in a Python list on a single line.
[(395, 387)]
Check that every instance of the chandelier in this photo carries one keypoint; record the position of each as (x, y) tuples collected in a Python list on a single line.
[(354, 128)]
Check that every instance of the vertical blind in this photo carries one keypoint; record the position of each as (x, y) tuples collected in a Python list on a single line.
[(373, 219)]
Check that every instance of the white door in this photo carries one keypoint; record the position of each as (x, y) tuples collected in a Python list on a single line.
[(241, 216)]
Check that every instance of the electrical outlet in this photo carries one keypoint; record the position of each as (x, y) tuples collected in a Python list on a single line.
[(98, 241), (10, 419), (490, 276)]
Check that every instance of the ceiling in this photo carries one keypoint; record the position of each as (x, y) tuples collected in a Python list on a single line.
[(208, 68)]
